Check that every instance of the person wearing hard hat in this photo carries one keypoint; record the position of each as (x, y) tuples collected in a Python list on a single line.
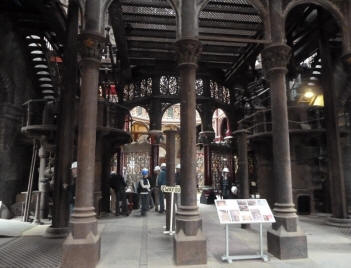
[(143, 190), (226, 184), (72, 185), (177, 180), (161, 180), (154, 187)]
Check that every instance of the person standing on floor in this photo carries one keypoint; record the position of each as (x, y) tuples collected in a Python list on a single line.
[(143, 190), (118, 184), (72, 185), (226, 184), (177, 181), (154, 187), (162, 181)]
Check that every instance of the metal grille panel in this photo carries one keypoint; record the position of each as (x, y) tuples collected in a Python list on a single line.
[(31, 252)]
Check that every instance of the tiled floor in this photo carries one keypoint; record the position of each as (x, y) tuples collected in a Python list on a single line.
[(136, 241)]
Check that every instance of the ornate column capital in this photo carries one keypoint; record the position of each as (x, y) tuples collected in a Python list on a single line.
[(90, 47), (156, 136), (206, 137), (275, 58), (188, 51)]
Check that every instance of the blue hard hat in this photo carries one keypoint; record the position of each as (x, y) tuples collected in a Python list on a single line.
[(144, 171)]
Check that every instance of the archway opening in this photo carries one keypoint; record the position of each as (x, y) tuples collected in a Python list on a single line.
[(220, 125)]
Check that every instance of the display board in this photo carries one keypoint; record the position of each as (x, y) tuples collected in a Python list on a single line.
[(238, 211)]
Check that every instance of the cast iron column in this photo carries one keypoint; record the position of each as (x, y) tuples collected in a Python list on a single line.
[(155, 136), (82, 246), (106, 172), (207, 165), (43, 185), (65, 131), (99, 151), (170, 172), (243, 169), (285, 239), (347, 147), (189, 241), (155, 123), (207, 135), (336, 173)]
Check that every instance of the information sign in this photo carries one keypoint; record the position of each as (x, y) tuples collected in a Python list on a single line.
[(170, 189), (240, 211)]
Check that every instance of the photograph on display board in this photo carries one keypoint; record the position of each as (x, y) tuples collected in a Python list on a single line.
[(243, 208), (262, 202), (246, 217), (220, 203), (251, 202), (256, 214), (238, 211), (235, 215), (242, 202), (224, 216), (268, 218)]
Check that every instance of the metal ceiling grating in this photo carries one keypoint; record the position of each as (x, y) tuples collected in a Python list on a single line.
[(230, 17), (148, 10)]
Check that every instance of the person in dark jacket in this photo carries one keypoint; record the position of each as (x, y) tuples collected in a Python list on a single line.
[(154, 187), (144, 191), (118, 184), (226, 184), (161, 180), (177, 180)]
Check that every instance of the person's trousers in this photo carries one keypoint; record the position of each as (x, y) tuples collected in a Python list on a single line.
[(144, 198), (162, 202), (121, 197), (155, 194)]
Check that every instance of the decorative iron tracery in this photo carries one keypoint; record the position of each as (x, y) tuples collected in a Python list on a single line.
[(219, 92), (169, 85), (138, 89)]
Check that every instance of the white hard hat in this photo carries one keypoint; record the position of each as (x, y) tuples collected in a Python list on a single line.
[(74, 165), (163, 165), (225, 170), (157, 168), (178, 166)]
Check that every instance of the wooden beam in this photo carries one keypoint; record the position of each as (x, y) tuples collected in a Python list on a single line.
[(234, 39)]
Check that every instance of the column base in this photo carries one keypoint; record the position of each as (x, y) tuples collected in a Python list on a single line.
[(287, 245), (81, 253), (337, 222), (190, 250), (53, 232)]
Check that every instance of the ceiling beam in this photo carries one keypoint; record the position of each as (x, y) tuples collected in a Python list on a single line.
[(171, 29), (221, 24), (172, 41), (170, 55), (170, 46)]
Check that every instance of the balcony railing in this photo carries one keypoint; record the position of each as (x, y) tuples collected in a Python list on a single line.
[(300, 119)]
